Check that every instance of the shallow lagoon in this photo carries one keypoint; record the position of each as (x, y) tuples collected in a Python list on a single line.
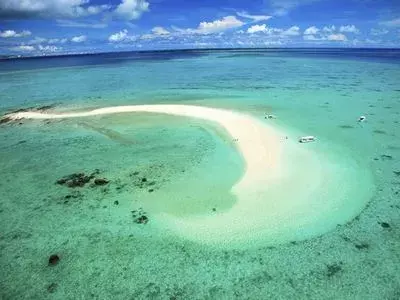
[(104, 253)]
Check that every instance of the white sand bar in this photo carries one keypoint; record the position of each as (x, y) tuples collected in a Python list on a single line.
[(287, 191), (258, 144)]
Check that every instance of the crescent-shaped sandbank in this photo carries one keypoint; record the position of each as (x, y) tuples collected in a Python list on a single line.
[(288, 191)]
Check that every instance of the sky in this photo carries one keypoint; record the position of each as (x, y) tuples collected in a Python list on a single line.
[(51, 27)]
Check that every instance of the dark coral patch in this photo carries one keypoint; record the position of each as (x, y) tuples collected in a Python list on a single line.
[(53, 259), (333, 269)]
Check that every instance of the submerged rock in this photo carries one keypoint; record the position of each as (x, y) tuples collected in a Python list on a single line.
[(145, 183), (34, 108), (52, 287), (53, 259), (45, 107), (333, 269), (22, 110), (73, 196), (95, 172), (74, 180), (81, 179), (5, 120), (101, 181), (139, 216), (386, 157), (378, 131), (362, 246), (142, 220), (384, 224), (346, 126)]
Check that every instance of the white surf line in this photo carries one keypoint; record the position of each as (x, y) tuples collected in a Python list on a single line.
[(258, 144)]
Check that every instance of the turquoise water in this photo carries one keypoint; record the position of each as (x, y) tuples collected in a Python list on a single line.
[(104, 254)]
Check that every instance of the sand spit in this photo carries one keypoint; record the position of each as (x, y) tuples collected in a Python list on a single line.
[(287, 191), (258, 144)]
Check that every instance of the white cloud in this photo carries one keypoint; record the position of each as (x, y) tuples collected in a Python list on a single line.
[(255, 18), (392, 23), (198, 44), (131, 9), (14, 34), (337, 37), (375, 31), (160, 31), (257, 28), (273, 43), (49, 48), (330, 33), (311, 30), (349, 28), (157, 32), (23, 48), (121, 36), (219, 25), (292, 31), (39, 40), (79, 39), (57, 41), (94, 10), (181, 30), (329, 29), (48, 8), (62, 9), (264, 29)]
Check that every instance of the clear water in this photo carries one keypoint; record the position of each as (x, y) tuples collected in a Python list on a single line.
[(105, 254)]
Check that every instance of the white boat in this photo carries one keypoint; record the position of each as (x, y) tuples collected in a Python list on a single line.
[(270, 116), (362, 118), (307, 139)]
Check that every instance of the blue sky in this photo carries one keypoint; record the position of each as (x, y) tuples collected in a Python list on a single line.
[(48, 27)]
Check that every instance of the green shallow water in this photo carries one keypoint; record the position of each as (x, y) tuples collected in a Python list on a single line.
[(105, 254)]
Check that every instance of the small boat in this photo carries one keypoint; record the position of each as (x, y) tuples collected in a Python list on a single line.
[(307, 139), (270, 116), (362, 118)]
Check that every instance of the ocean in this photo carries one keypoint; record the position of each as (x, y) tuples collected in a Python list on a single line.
[(108, 237)]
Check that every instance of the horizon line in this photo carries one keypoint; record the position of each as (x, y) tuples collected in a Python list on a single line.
[(14, 56)]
